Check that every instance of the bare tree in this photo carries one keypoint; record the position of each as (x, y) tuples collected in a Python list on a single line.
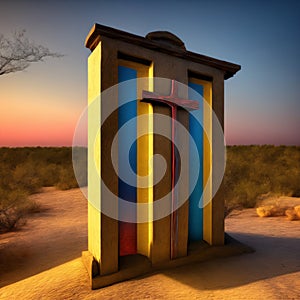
[(17, 53)]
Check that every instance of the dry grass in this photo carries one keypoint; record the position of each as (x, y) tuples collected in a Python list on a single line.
[(271, 211), (24, 171), (255, 171), (297, 210), (292, 213)]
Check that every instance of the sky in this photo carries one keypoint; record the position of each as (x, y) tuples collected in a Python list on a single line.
[(41, 106)]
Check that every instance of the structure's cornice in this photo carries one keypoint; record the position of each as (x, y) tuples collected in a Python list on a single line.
[(98, 30)]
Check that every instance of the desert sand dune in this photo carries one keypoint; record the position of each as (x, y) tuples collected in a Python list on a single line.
[(42, 260)]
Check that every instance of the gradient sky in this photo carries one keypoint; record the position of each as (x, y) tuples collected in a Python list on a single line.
[(40, 106)]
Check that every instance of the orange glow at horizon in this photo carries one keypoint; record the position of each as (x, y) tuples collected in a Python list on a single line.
[(37, 124)]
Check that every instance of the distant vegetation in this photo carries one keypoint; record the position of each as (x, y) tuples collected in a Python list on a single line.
[(23, 171), (252, 172)]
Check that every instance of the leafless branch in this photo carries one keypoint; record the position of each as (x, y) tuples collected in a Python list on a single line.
[(18, 53)]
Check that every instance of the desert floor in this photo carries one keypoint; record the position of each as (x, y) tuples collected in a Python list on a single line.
[(42, 260)]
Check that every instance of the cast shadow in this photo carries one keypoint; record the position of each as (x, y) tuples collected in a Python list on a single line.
[(273, 257)]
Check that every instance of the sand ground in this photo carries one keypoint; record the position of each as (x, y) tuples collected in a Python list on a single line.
[(42, 260)]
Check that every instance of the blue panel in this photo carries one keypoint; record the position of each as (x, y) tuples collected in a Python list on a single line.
[(127, 111), (196, 131)]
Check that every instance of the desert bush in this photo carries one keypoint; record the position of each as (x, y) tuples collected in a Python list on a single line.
[(23, 171), (79, 157), (67, 179), (26, 177), (271, 211), (297, 210), (292, 213), (253, 171), (49, 174), (14, 206), (31, 168)]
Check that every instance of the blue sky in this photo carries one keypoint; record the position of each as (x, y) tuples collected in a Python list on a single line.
[(262, 104)]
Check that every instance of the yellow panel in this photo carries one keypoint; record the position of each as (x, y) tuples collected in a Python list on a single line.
[(94, 216), (150, 170)]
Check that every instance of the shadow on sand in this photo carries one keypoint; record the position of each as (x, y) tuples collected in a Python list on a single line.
[(273, 257)]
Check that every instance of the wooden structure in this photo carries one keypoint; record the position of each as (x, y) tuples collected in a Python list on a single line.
[(119, 250)]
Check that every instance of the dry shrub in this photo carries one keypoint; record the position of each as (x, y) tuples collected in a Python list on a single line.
[(264, 211), (67, 179), (24, 171), (14, 206), (291, 214), (276, 211), (297, 210), (25, 176), (253, 171), (271, 211), (231, 207)]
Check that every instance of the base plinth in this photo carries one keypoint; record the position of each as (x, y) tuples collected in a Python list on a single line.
[(132, 266)]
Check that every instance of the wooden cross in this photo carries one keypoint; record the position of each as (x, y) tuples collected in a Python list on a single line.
[(173, 101)]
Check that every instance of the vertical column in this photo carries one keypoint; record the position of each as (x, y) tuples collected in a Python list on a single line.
[(161, 228), (183, 118), (144, 165), (218, 200), (207, 162), (94, 162), (109, 226), (171, 68)]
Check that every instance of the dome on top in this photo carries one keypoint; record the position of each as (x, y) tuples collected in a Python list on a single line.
[(167, 38)]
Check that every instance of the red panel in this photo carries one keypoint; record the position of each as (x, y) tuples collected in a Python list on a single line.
[(127, 238)]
